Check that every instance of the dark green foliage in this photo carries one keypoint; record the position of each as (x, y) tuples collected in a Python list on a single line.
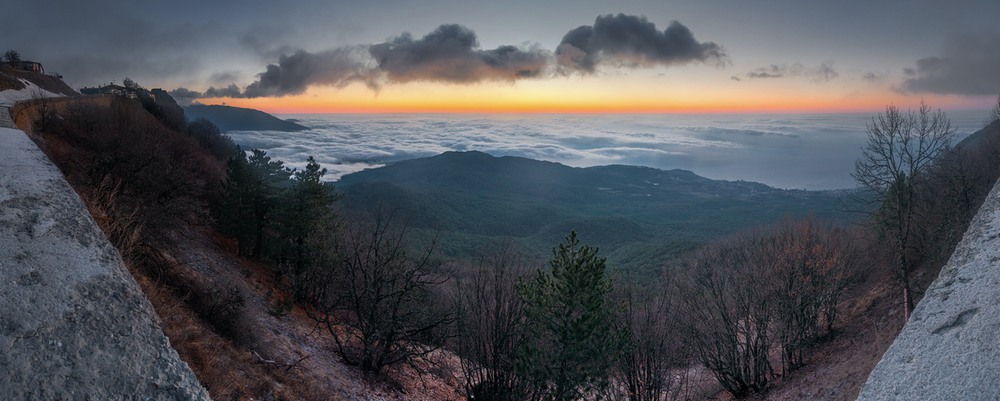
[(571, 344), (234, 213), (277, 213), (249, 196)]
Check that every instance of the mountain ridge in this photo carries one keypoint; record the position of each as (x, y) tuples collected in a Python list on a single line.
[(229, 118)]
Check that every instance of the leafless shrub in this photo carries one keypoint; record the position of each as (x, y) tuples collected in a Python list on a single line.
[(378, 304), (644, 371), (727, 312), (489, 325)]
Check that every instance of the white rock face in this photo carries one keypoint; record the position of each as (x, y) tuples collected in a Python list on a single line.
[(74, 325), (950, 348)]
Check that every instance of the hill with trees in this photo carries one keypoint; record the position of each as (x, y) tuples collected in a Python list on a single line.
[(638, 216), (229, 118)]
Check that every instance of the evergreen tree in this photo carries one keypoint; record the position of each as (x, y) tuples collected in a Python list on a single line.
[(305, 208), (268, 179), (234, 212), (249, 195), (571, 342)]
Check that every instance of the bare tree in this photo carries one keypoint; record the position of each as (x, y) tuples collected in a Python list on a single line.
[(644, 369), (812, 266), (900, 149), (490, 326), (11, 57), (726, 312), (377, 303)]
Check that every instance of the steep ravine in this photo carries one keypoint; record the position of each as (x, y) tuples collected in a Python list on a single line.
[(74, 324)]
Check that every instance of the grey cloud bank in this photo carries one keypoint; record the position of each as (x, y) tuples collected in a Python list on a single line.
[(787, 151), (633, 41), (969, 65), (451, 54)]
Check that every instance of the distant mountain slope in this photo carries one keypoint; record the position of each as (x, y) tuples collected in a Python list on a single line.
[(229, 118), (638, 215)]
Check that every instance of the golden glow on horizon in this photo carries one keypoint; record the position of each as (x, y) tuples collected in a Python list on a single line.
[(586, 96)]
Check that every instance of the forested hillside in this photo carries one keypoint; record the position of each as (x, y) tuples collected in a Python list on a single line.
[(638, 216)]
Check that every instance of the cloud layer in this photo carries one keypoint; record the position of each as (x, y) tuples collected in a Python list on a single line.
[(451, 54), (970, 65), (633, 41), (821, 73), (790, 151), (797, 152)]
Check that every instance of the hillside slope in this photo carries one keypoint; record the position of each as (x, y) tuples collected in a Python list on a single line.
[(218, 309)]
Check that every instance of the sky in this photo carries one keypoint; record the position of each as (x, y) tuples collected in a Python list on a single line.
[(709, 56)]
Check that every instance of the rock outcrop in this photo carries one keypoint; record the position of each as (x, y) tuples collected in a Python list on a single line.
[(950, 348), (74, 325)]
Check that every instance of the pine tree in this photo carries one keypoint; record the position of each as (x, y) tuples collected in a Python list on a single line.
[(571, 342), (305, 208), (249, 195), (268, 179), (234, 212)]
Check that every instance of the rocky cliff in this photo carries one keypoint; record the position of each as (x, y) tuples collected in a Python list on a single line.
[(950, 348), (74, 325)]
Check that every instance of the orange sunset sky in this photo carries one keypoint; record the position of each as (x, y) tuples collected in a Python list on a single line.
[(526, 56)]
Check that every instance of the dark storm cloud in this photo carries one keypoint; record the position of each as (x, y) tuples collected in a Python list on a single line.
[(99, 41), (821, 73), (229, 91), (184, 93), (451, 54), (222, 77), (297, 72), (970, 65), (263, 42), (448, 54), (633, 41)]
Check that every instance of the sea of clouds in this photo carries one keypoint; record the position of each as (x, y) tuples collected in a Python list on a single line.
[(786, 151)]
